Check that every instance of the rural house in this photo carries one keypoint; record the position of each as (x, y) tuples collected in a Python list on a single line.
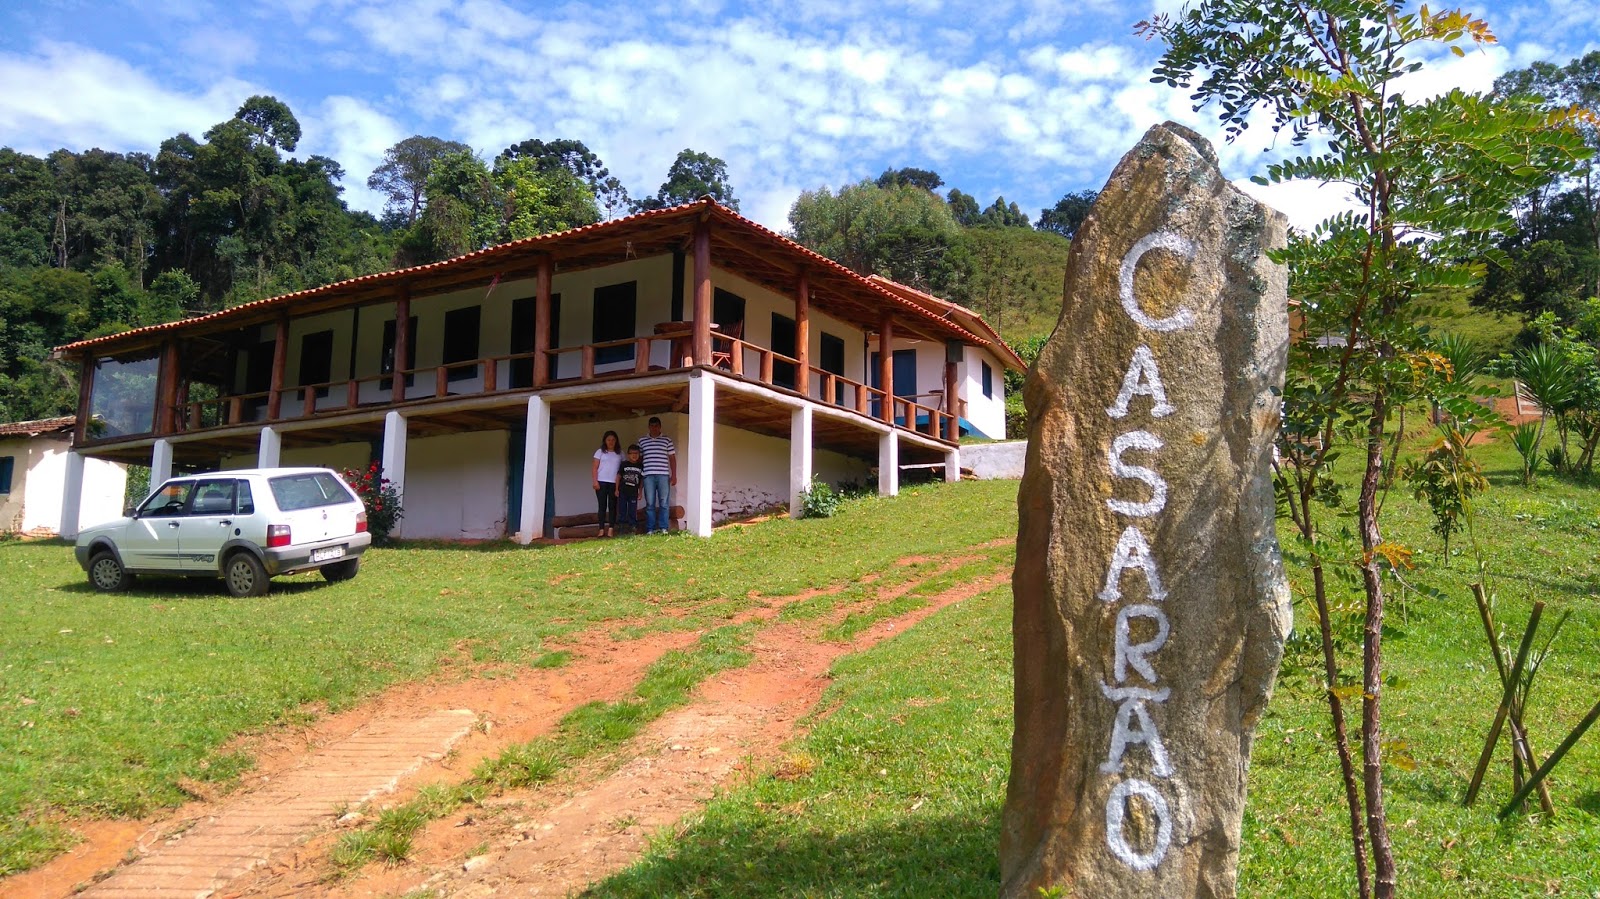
[(483, 383), (33, 469)]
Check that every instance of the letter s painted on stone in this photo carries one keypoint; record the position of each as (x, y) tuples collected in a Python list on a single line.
[(1161, 240), (1143, 440)]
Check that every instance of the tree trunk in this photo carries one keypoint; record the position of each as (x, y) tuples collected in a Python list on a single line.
[(1372, 658), (1341, 736)]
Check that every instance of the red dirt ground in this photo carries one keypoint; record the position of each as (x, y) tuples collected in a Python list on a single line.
[(596, 819)]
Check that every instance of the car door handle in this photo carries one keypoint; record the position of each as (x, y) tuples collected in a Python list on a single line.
[(226, 522), (172, 524)]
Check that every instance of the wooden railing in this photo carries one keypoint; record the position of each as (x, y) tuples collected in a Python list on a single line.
[(514, 371)]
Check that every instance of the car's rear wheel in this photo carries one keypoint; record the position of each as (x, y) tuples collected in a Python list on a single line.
[(106, 573), (245, 576), (341, 571)]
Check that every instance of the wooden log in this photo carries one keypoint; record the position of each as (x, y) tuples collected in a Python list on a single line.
[(541, 325), (352, 394), (491, 374), (402, 342), (280, 361), (886, 367), (641, 355), (588, 362), (766, 366), (308, 402), (441, 381), (702, 293), (802, 334)]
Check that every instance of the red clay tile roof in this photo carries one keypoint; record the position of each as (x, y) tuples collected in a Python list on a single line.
[(615, 226), (1008, 356), (35, 428)]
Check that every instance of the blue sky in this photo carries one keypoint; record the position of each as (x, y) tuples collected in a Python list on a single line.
[(1028, 99)]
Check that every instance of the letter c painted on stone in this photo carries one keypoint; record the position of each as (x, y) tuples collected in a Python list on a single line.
[(1161, 240)]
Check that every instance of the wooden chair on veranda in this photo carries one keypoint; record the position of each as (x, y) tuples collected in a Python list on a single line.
[(725, 344)]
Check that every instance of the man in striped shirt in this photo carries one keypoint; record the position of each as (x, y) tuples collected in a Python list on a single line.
[(660, 474)]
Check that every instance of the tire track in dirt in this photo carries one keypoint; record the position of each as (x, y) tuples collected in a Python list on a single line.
[(737, 721), (736, 725)]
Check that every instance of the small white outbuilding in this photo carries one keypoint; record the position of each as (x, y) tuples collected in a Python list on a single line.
[(34, 460)]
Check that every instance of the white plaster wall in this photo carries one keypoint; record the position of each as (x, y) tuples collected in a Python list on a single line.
[(573, 449), (653, 304), (455, 487), (14, 504), (38, 485), (759, 305), (749, 471), (337, 457), (987, 414)]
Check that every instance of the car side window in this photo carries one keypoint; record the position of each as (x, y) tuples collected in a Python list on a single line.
[(247, 502), (213, 498), (169, 500)]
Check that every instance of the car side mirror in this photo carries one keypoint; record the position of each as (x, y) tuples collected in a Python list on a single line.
[(130, 512)]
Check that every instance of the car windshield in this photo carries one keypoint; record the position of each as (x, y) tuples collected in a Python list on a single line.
[(307, 491), (169, 500)]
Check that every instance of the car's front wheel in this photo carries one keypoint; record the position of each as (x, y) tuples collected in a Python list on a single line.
[(341, 571), (245, 575), (106, 573)]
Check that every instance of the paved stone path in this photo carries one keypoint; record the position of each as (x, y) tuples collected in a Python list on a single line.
[(369, 763)]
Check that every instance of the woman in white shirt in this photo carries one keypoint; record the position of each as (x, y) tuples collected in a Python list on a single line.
[(607, 461)]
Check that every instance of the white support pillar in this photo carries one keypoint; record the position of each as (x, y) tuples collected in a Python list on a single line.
[(535, 470), (394, 458), (702, 425), (160, 463), (72, 497), (889, 464), (270, 453), (799, 458), (952, 466)]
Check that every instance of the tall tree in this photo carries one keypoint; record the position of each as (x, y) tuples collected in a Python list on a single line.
[(923, 178), (27, 209), (1327, 72), (403, 174), (902, 232), (692, 176), (572, 156), (1004, 215), (539, 200), (964, 207), (1068, 213)]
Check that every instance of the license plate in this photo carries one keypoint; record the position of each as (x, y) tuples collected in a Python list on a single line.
[(326, 553)]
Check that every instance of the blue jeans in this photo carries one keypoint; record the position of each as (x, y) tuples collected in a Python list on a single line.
[(655, 502), (627, 511)]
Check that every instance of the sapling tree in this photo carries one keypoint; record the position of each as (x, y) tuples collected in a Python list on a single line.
[(1433, 179)]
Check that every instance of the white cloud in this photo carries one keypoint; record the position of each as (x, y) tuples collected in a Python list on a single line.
[(67, 95), (351, 131)]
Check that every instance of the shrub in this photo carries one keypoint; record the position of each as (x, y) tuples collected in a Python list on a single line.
[(819, 501), (380, 497)]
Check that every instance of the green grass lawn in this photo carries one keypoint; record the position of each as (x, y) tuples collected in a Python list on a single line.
[(897, 790), (106, 701)]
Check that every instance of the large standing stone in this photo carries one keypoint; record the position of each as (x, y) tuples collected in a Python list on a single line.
[(1151, 606)]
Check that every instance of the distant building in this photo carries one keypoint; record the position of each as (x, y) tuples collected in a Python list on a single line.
[(34, 462)]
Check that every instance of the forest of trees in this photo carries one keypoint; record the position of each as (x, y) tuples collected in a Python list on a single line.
[(94, 242)]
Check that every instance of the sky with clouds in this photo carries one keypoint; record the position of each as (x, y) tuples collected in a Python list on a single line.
[(1029, 99)]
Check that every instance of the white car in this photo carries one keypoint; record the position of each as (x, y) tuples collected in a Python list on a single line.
[(242, 526)]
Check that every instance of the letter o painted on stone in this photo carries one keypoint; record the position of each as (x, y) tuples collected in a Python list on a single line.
[(1117, 841)]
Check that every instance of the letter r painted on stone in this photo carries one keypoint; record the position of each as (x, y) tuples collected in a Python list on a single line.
[(1136, 655), (1161, 240)]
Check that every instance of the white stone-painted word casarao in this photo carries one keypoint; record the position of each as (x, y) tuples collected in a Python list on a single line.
[(1151, 606)]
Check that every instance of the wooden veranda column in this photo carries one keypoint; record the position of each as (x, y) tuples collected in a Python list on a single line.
[(802, 335), (952, 425), (167, 388), (80, 429), (886, 368), (402, 342), (702, 293), (541, 325), (280, 361)]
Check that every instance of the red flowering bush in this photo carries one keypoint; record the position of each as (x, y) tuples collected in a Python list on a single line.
[(380, 498)]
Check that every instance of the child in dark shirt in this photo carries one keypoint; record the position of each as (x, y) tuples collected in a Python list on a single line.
[(630, 480)]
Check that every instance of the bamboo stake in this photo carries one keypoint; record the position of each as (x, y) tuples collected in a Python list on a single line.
[(1505, 704), (1550, 763), (1521, 747)]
